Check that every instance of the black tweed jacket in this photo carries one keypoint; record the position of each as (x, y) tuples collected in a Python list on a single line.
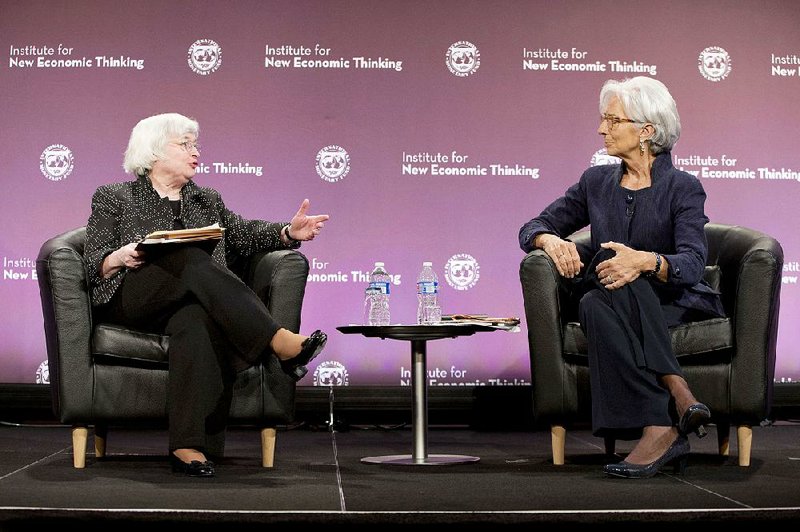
[(125, 212)]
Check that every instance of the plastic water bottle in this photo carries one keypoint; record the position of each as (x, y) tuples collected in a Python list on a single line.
[(428, 310), (380, 281), (370, 306)]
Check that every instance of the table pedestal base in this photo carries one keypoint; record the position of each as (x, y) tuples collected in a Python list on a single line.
[(432, 459)]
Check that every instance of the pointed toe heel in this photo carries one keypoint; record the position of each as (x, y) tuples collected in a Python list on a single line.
[(676, 455), (311, 347), (694, 420)]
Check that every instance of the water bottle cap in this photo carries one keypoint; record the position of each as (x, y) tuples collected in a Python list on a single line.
[(379, 264), (426, 263)]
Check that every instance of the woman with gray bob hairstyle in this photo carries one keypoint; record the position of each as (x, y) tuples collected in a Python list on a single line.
[(217, 325), (647, 101), (149, 139), (645, 274)]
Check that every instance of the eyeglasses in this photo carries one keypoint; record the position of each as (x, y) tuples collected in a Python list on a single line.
[(612, 121), (188, 146)]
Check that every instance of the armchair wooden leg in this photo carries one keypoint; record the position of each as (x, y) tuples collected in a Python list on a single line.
[(558, 437), (268, 436), (100, 435), (744, 437), (724, 438), (80, 434)]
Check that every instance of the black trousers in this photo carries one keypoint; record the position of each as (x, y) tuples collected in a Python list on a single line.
[(217, 326), (629, 349)]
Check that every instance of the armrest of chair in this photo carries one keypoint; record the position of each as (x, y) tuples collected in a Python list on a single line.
[(540, 293), (279, 279), (752, 265), (67, 313)]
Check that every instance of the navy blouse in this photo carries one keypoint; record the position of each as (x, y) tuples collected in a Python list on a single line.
[(667, 217)]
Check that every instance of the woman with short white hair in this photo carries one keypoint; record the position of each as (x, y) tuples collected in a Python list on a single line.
[(645, 273), (217, 325)]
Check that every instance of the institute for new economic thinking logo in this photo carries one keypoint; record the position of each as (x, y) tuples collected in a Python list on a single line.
[(714, 63), (333, 163), (463, 58), (462, 271), (56, 162), (205, 57), (43, 373), (331, 373)]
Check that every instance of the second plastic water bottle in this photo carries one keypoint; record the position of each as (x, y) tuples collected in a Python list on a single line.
[(428, 309), (380, 281)]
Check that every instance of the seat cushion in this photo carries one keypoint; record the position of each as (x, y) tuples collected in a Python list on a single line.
[(123, 345), (687, 339)]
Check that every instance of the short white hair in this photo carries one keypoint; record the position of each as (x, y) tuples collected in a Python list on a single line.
[(646, 100), (149, 138)]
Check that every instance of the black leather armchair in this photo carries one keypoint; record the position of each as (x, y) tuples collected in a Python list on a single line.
[(729, 362), (103, 374)]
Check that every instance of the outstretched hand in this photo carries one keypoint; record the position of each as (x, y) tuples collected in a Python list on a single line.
[(306, 226)]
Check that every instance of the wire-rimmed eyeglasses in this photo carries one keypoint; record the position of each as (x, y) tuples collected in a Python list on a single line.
[(612, 121), (188, 146)]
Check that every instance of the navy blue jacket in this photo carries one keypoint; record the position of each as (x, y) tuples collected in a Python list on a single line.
[(667, 217)]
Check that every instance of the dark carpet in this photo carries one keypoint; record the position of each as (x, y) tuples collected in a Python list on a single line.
[(318, 479)]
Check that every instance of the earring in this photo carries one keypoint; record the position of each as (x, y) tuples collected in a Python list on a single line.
[(641, 147)]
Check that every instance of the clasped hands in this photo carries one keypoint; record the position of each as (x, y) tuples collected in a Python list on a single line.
[(613, 273)]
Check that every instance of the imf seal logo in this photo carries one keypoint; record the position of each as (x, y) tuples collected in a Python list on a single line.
[(463, 58), (331, 373), (714, 63), (601, 157), (333, 163), (43, 373), (56, 162), (205, 57), (462, 271)]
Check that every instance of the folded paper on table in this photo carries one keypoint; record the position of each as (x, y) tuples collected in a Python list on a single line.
[(510, 324)]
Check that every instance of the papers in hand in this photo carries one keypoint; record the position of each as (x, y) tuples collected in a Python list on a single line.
[(177, 236)]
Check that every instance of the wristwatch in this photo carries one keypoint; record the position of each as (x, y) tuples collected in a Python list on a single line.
[(289, 237)]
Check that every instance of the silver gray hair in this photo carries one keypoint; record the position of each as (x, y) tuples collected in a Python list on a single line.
[(647, 101), (149, 138)]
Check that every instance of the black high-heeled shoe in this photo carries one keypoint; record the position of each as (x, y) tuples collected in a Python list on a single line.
[(694, 419), (676, 454), (311, 347), (195, 468)]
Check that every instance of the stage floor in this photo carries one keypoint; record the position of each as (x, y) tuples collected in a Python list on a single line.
[(318, 478)]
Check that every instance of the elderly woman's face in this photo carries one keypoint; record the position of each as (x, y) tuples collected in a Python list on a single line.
[(180, 159), (620, 135)]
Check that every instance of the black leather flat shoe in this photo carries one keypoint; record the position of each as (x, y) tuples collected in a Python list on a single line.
[(195, 468), (693, 420), (676, 455), (312, 346)]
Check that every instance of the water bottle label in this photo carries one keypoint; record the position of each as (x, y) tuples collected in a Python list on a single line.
[(427, 287), (383, 287)]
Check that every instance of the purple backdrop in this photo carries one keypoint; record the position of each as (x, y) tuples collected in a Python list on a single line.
[(380, 113)]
